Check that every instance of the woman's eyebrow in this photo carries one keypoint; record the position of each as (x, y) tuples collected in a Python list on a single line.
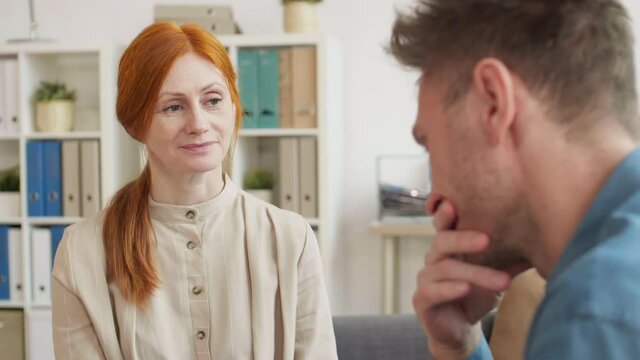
[(215, 83), (180, 94)]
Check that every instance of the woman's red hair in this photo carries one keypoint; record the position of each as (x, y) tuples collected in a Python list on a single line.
[(129, 241)]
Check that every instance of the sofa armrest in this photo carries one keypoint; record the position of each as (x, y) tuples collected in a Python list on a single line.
[(397, 337)]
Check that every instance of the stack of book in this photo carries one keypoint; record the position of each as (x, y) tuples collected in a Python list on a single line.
[(44, 244), (63, 178), (10, 264), (298, 175), (278, 87)]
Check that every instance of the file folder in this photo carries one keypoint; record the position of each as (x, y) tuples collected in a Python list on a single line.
[(12, 334), (248, 83), (57, 231), (308, 178), (284, 88), (35, 178), (4, 122), (5, 286), (52, 177), (303, 64), (268, 77), (10, 91), (289, 174), (90, 177), (71, 178), (16, 280), (41, 265)]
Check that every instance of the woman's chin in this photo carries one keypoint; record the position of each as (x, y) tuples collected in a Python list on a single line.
[(201, 167)]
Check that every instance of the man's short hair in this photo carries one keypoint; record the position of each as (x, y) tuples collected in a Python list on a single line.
[(576, 55)]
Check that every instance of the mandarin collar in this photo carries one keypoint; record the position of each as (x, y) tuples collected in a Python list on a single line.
[(191, 213)]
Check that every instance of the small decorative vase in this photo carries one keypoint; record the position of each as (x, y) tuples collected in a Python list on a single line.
[(9, 204), (54, 116), (300, 17), (266, 195)]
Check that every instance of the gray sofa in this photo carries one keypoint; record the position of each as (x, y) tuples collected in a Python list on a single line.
[(393, 337)]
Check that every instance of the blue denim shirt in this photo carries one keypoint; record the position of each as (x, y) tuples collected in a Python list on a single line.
[(591, 309)]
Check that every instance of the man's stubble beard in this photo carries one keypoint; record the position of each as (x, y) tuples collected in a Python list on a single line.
[(515, 228)]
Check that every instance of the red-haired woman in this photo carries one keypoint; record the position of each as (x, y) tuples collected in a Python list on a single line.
[(182, 264)]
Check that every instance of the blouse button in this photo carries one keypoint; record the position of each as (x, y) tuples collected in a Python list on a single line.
[(196, 290), (201, 334), (191, 245), (191, 214)]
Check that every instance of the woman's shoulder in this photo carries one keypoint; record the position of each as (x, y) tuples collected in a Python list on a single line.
[(85, 231), (82, 240), (80, 252), (279, 218)]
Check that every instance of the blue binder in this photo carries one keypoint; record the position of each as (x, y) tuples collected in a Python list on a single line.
[(52, 178), (35, 178), (5, 286), (268, 94), (248, 82), (56, 236)]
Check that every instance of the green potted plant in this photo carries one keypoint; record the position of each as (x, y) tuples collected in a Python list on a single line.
[(10, 193), (300, 15), (259, 183), (54, 107)]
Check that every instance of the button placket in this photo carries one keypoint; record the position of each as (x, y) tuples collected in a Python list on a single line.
[(201, 336), (196, 285)]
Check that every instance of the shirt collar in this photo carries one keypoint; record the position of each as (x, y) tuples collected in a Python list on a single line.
[(624, 180), (191, 213)]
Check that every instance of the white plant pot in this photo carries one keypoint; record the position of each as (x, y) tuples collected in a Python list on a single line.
[(266, 195), (300, 17), (9, 204), (55, 116)]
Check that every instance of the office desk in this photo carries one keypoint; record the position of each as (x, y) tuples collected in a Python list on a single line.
[(391, 234)]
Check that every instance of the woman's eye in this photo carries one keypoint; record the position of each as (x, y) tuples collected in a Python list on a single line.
[(214, 101), (172, 108)]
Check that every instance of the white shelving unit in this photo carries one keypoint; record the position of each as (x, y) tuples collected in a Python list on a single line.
[(328, 133), (91, 72)]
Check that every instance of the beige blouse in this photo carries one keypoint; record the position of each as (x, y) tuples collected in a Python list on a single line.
[(241, 279)]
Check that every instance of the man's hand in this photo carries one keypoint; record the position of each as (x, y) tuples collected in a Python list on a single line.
[(453, 295)]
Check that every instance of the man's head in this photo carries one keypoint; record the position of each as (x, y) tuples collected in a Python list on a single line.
[(498, 76)]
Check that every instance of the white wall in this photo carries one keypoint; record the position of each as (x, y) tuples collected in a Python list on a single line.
[(380, 105)]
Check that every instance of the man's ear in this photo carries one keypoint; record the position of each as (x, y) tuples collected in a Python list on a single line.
[(494, 90)]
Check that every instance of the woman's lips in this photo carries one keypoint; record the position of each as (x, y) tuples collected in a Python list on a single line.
[(198, 148)]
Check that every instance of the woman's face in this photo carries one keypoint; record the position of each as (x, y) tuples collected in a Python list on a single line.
[(194, 118)]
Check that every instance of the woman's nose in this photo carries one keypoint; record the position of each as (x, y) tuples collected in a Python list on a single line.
[(197, 122)]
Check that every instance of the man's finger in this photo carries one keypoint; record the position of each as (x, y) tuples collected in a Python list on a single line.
[(477, 275), (444, 217), (438, 293), (449, 243)]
